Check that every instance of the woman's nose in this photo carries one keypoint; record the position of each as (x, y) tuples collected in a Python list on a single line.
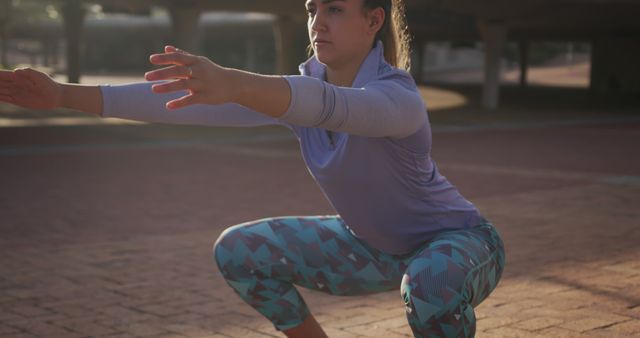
[(317, 22)]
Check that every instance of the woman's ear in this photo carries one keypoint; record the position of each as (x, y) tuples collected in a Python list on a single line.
[(376, 19)]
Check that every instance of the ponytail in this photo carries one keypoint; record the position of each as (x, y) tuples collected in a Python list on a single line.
[(394, 32)]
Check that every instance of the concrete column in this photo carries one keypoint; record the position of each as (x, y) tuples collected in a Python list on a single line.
[(523, 46), (596, 64), (614, 65), (5, 15), (55, 50), (46, 44), (284, 31), (73, 14), (250, 62), (4, 46), (185, 19), (494, 35)]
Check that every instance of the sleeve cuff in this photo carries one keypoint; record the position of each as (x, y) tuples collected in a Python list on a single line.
[(292, 103), (307, 101), (106, 100)]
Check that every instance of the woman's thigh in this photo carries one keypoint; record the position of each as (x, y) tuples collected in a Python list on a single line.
[(316, 252)]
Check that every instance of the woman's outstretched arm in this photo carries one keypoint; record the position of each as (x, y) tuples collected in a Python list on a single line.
[(205, 82), (32, 89), (85, 98), (136, 101), (389, 106)]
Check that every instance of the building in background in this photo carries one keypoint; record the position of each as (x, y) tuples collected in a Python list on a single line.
[(453, 39)]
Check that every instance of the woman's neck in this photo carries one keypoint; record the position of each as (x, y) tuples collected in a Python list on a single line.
[(345, 74), (342, 78)]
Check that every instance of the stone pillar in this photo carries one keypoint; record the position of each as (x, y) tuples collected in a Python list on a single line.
[(46, 44), (284, 31), (493, 35), (523, 46), (250, 62), (55, 51), (614, 65), (596, 64), (185, 19), (73, 14), (5, 15)]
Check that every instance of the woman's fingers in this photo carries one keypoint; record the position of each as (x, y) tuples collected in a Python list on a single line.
[(7, 86), (25, 77), (182, 64), (172, 49), (14, 85), (172, 72), (172, 86), (177, 85), (7, 98), (178, 50), (6, 90), (182, 69), (182, 102), (172, 58)]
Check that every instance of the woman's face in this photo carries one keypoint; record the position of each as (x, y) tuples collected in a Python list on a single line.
[(339, 30)]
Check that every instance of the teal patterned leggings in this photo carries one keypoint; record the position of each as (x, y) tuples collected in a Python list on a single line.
[(440, 282)]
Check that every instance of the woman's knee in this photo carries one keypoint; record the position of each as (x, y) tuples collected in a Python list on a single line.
[(242, 248), (221, 254), (436, 307), (225, 248), (428, 292)]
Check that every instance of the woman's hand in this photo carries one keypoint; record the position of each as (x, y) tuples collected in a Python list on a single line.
[(206, 82), (30, 88)]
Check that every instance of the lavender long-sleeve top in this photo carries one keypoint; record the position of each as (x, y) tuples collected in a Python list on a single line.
[(375, 168)]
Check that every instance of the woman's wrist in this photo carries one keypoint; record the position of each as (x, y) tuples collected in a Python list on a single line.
[(63, 96), (86, 98), (238, 85), (269, 95)]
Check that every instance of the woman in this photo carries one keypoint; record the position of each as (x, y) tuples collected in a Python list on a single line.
[(365, 138)]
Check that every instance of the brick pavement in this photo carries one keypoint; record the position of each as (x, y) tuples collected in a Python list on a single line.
[(112, 237)]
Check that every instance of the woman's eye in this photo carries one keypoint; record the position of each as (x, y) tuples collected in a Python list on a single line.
[(334, 9)]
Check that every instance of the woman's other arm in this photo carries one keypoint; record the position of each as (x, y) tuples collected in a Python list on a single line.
[(85, 98), (390, 106), (137, 101), (387, 107), (33, 89), (202, 81)]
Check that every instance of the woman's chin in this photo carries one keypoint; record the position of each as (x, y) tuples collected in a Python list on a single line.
[(323, 58)]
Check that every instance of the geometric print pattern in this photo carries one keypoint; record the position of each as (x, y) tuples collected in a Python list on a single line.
[(450, 276), (439, 282)]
